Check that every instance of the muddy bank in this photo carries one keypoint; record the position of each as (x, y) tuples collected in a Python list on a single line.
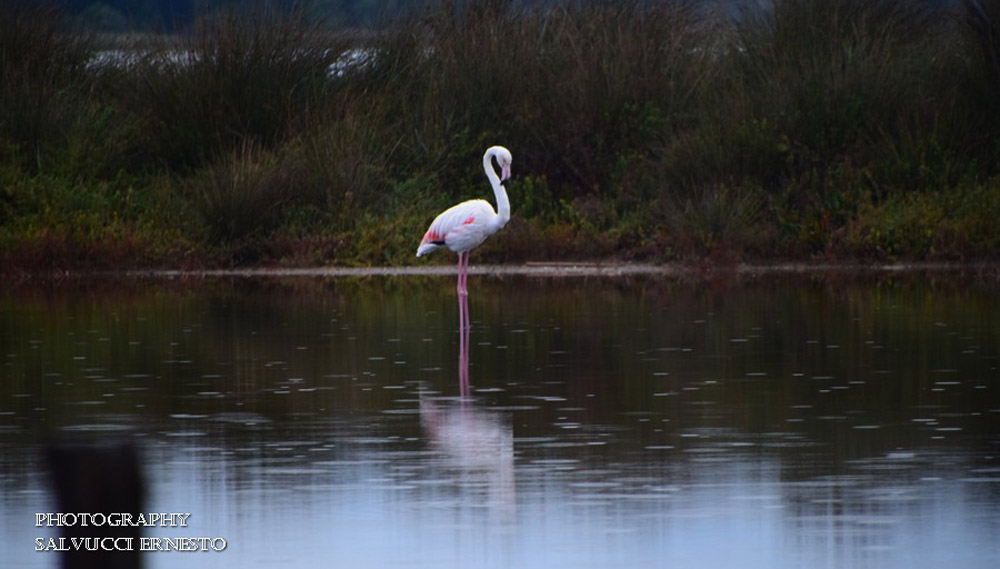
[(589, 270)]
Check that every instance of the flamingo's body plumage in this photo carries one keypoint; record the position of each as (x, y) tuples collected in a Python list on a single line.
[(465, 226), (461, 228)]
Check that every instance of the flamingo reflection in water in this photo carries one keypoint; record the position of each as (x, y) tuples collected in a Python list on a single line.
[(475, 443)]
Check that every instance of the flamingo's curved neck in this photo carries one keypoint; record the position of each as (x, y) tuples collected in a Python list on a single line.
[(503, 203)]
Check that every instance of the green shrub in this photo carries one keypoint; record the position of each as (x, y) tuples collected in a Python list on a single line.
[(723, 216), (241, 197), (953, 224), (348, 161)]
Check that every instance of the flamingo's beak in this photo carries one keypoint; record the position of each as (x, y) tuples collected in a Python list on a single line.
[(505, 173)]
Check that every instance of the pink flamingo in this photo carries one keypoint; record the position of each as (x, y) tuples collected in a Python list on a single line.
[(465, 226)]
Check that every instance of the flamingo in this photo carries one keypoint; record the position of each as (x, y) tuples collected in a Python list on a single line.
[(465, 226)]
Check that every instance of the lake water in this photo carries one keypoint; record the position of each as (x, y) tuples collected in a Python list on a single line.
[(763, 422)]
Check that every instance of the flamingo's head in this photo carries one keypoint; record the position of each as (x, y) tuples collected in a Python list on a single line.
[(503, 159)]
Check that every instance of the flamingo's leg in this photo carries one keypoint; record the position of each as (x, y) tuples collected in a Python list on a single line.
[(465, 276), (463, 273)]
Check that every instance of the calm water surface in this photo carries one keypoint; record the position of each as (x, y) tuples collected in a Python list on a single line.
[(771, 423)]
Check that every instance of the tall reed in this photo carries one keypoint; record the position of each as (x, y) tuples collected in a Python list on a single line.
[(981, 33), (582, 90), (237, 76), (42, 78)]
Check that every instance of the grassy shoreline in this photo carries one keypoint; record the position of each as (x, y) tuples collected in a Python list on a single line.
[(840, 131)]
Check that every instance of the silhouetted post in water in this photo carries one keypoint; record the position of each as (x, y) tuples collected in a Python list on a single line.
[(98, 476)]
